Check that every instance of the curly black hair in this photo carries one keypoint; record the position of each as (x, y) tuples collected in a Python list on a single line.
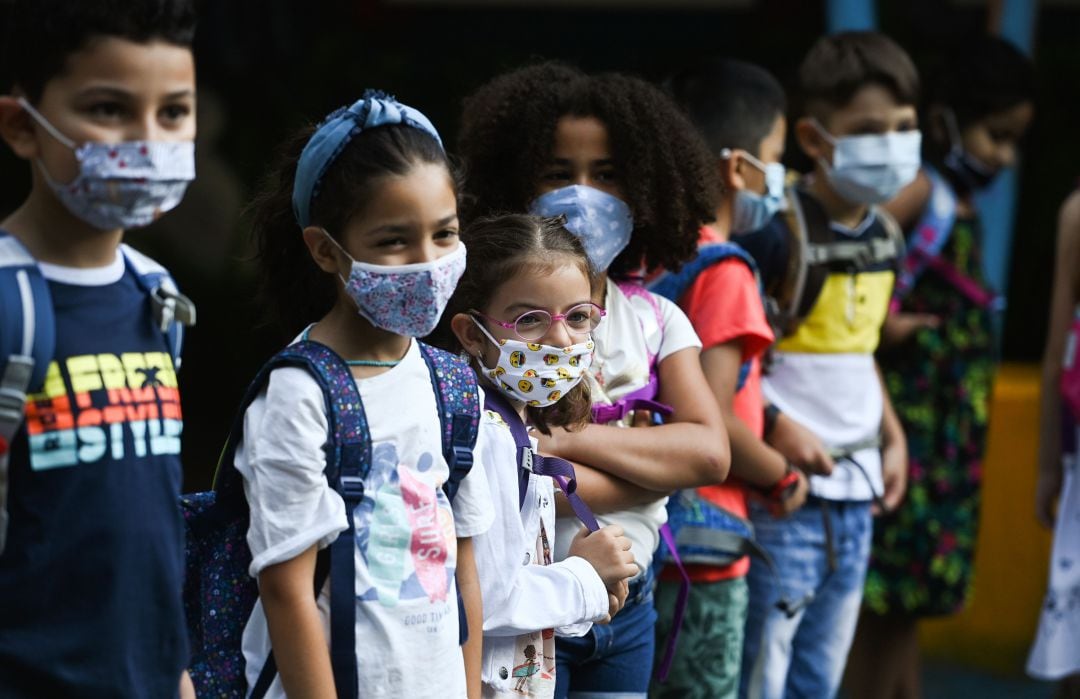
[(665, 169)]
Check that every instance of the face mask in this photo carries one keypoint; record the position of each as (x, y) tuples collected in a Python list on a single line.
[(602, 222), (972, 172), (404, 299), (751, 210), (121, 185), (872, 169), (536, 374)]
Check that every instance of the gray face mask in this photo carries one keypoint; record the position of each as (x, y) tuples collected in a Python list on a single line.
[(121, 185), (872, 168)]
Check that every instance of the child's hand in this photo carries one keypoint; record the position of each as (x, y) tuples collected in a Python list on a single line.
[(900, 327), (617, 594), (792, 502), (608, 550), (800, 446), (187, 689), (1047, 490), (894, 474)]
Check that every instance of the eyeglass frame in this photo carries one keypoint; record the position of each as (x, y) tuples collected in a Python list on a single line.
[(553, 316)]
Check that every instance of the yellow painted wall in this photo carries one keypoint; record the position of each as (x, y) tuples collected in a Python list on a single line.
[(1013, 550)]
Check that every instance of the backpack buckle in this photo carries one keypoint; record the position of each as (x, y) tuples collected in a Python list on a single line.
[(172, 307), (352, 488)]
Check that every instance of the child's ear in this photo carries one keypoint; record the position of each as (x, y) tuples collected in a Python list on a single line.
[(17, 128), (809, 138), (322, 250), (730, 177), (470, 337)]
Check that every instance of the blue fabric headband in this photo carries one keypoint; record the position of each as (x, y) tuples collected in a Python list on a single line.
[(334, 133)]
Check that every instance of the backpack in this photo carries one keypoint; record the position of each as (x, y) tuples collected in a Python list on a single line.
[(219, 594), (931, 234), (672, 285), (814, 252), (28, 333)]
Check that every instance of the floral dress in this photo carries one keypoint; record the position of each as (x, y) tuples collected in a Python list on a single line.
[(940, 382)]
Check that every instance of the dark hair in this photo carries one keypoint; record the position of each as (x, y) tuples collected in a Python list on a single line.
[(500, 248), (42, 34), (986, 76), (666, 172), (734, 104), (838, 66), (293, 289)]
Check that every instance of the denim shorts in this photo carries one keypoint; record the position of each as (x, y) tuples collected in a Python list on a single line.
[(803, 655), (611, 661)]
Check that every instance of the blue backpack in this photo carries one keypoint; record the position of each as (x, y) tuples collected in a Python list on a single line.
[(28, 333), (219, 594)]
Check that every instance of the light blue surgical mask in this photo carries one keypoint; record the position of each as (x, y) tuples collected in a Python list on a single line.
[(872, 168), (752, 210), (601, 221)]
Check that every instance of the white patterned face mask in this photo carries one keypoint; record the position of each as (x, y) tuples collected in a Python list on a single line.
[(538, 375), (403, 299), (121, 185)]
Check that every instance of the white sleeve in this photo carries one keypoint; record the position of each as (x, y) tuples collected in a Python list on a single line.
[(678, 332), (473, 513), (281, 459), (520, 596)]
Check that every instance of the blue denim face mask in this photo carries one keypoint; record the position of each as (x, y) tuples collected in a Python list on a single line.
[(752, 210), (603, 222), (121, 185), (872, 168)]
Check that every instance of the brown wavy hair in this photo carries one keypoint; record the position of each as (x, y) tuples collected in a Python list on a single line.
[(500, 248)]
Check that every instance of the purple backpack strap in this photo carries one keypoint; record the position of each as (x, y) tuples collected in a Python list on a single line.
[(681, 599), (530, 462)]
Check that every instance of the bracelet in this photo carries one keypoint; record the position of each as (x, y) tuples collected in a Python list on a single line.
[(783, 488), (770, 413)]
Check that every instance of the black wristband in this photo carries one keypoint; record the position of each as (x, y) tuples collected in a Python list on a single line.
[(770, 413)]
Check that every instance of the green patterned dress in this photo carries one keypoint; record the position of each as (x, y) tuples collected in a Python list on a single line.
[(940, 382)]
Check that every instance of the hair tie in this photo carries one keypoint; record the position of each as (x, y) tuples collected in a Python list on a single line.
[(375, 108)]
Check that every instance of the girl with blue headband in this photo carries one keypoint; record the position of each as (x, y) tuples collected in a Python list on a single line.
[(357, 242)]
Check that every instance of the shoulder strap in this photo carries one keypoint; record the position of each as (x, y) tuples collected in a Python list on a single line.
[(930, 235), (529, 461), (172, 310), (672, 285), (631, 289), (459, 411), (27, 343), (348, 461)]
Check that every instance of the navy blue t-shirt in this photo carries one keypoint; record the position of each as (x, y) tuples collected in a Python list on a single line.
[(91, 579)]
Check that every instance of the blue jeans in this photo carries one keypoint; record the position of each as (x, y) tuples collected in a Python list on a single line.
[(612, 661), (803, 655)]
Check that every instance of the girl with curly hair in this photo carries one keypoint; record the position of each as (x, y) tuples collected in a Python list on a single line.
[(614, 156)]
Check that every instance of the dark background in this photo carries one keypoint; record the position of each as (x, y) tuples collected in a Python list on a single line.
[(266, 67)]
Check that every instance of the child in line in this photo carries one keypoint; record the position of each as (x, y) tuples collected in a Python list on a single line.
[(739, 109), (523, 312), (614, 155), (92, 568), (859, 126), (357, 238), (937, 357), (1055, 655)]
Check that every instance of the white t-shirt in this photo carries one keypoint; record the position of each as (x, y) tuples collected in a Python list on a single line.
[(406, 599), (625, 339), (525, 602)]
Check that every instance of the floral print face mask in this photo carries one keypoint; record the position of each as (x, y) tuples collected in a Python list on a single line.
[(404, 299), (538, 375), (121, 185)]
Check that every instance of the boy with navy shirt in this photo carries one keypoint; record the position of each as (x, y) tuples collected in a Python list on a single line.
[(859, 127), (102, 107)]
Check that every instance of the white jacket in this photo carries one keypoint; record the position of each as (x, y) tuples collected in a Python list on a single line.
[(520, 597)]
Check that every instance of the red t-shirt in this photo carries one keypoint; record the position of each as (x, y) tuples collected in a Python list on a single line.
[(724, 305)]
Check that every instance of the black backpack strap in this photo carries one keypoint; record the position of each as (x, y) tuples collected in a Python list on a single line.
[(348, 461)]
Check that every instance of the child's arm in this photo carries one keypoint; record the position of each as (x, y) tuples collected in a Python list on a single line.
[(894, 454), (752, 460), (689, 450), (468, 583), (1062, 303), (296, 629), (187, 689), (605, 493)]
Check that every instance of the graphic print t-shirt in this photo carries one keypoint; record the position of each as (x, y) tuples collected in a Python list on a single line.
[(406, 551), (90, 581)]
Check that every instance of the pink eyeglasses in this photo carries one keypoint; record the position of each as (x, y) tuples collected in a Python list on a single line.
[(582, 319)]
